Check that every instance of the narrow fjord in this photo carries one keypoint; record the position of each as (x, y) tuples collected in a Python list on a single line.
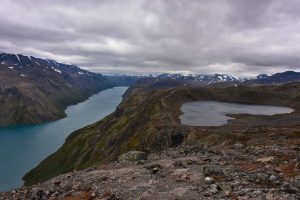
[(23, 147)]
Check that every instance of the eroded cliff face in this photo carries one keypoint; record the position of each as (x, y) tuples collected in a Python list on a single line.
[(147, 120)]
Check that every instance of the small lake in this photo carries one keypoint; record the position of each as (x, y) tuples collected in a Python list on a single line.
[(213, 113), (23, 147)]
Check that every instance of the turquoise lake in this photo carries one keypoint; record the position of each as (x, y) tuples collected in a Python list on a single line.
[(23, 147)]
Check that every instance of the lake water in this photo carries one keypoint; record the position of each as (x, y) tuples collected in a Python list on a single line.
[(213, 113), (23, 147)]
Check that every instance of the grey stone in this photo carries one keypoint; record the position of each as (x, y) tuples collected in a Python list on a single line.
[(209, 180), (133, 156), (214, 188), (273, 178)]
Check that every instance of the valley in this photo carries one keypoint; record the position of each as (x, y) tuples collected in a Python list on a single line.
[(148, 120), (149, 100)]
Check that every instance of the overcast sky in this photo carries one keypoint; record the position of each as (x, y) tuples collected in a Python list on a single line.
[(239, 37)]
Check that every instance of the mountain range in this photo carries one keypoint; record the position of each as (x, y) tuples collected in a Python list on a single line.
[(35, 90), (217, 79)]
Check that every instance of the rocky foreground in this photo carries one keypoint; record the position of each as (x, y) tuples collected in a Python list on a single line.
[(238, 171)]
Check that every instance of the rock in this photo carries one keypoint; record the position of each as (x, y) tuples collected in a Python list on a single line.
[(180, 191), (222, 163), (151, 166), (184, 180), (257, 192), (214, 188), (86, 185), (133, 156), (226, 193), (278, 170), (179, 164), (242, 192), (238, 146), (291, 189), (191, 162), (270, 195), (266, 159), (273, 178), (154, 170), (259, 177), (56, 182), (212, 170), (93, 194), (68, 176), (76, 187), (226, 188), (209, 180)]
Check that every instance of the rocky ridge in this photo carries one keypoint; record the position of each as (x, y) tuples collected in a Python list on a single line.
[(237, 171)]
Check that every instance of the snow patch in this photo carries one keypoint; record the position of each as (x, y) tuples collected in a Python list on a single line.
[(18, 58), (56, 70)]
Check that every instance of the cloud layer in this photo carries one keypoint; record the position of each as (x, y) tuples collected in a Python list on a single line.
[(139, 36)]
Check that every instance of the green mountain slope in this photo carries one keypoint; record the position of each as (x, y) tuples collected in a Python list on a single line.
[(147, 120)]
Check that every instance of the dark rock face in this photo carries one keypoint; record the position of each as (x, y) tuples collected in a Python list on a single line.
[(34, 90)]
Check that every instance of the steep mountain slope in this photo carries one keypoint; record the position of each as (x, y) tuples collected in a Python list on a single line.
[(148, 119), (34, 90)]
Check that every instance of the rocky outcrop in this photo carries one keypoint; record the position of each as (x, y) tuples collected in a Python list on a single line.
[(185, 172)]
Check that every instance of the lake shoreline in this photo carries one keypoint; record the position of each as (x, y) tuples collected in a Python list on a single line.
[(218, 113), (22, 147)]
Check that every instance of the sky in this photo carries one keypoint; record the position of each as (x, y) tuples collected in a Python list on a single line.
[(238, 37)]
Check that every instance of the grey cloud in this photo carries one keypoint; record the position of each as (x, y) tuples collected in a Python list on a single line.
[(140, 36)]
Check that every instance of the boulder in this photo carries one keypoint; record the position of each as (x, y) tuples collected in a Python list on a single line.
[(133, 156), (266, 159)]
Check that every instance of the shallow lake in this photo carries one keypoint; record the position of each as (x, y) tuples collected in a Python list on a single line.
[(213, 113), (23, 147)]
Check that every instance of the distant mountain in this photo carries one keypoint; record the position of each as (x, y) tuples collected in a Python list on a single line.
[(35, 90), (224, 80), (200, 80), (276, 79)]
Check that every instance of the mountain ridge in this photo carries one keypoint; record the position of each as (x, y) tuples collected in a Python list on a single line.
[(34, 90)]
